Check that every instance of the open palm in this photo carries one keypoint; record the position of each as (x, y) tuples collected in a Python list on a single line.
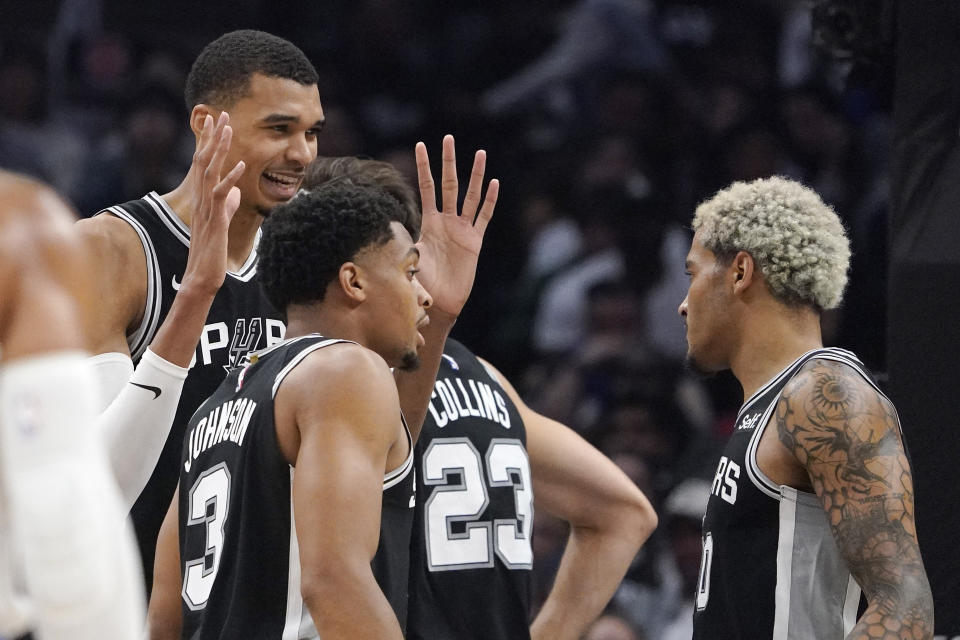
[(450, 241)]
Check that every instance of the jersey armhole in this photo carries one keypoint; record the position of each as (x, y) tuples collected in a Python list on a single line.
[(142, 336)]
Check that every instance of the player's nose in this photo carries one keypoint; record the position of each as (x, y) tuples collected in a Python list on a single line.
[(682, 309), (300, 150)]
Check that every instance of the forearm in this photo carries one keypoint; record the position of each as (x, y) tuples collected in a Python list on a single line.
[(79, 559), (176, 340), (593, 564), (904, 612), (135, 426), (353, 608), (415, 387)]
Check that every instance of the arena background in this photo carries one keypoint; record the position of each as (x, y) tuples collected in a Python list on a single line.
[(606, 121)]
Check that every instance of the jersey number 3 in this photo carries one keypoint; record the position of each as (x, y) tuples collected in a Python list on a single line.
[(465, 501), (208, 505)]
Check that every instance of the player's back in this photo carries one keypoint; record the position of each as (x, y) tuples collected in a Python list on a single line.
[(238, 546), (471, 555)]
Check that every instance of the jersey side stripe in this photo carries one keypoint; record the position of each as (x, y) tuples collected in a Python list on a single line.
[(298, 618), (141, 338), (788, 519)]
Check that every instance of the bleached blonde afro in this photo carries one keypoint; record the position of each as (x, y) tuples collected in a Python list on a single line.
[(797, 241)]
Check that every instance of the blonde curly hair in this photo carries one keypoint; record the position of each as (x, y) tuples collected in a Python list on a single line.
[(797, 241)]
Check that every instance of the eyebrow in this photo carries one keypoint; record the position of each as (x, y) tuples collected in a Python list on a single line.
[(282, 118)]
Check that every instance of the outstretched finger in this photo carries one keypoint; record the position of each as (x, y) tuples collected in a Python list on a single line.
[(489, 203), (449, 187), (211, 175), (472, 199), (206, 135), (428, 194), (209, 146)]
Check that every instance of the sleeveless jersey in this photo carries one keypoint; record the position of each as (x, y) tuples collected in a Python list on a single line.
[(471, 554), (240, 320), (770, 567), (239, 555)]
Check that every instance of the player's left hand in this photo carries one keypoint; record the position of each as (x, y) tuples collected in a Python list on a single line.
[(450, 241)]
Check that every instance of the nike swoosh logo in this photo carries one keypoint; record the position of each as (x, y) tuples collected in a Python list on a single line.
[(176, 285), (156, 390)]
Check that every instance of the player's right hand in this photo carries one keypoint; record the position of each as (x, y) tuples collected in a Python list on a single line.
[(214, 201)]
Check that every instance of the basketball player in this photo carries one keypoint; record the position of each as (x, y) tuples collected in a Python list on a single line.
[(284, 469), (483, 456), (68, 566), (812, 500), (270, 90)]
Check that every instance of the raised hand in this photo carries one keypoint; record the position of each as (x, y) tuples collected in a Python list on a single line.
[(214, 201), (450, 240)]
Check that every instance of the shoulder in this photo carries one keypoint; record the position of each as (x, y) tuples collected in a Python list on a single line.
[(35, 228), (342, 370), (829, 407), (832, 387), (112, 238)]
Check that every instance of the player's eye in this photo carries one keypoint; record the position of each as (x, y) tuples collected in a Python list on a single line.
[(313, 132), (279, 128)]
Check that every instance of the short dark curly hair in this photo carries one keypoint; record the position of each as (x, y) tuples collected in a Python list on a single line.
[(306, 240), (366, 172), (221, 73)]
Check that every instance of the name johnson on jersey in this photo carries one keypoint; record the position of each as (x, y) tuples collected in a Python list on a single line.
[(228, 422)]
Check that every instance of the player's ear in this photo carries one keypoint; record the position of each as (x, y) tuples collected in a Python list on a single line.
[(743, 268), (352, 282), (197, 116)]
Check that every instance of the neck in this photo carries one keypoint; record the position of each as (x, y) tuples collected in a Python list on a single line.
[(321, 318), (772, 338), (243, 226)]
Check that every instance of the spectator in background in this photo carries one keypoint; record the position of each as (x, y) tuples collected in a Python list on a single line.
[(149, 153), (684, 509), (27, 134)]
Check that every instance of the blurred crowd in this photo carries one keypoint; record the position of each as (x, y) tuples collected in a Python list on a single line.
[(607, 121)]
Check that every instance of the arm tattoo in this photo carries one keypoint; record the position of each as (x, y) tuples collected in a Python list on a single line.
[(847, 436)]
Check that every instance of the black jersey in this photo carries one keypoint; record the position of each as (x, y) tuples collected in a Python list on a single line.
[(240, 320), (471, 555), (770, 567), (238, 546)]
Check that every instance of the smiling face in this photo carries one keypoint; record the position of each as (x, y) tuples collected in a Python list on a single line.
[(396, 301), (275, 127), (707, 310)]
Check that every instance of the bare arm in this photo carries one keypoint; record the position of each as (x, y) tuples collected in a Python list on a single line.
[(164, 616), (61, 504), (347, 425), (848, 439), (120, 263), (609, 519), (449, 246), (137, 420)]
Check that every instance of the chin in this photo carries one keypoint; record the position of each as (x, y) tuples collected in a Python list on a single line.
[(698, 365), (409, 362)]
